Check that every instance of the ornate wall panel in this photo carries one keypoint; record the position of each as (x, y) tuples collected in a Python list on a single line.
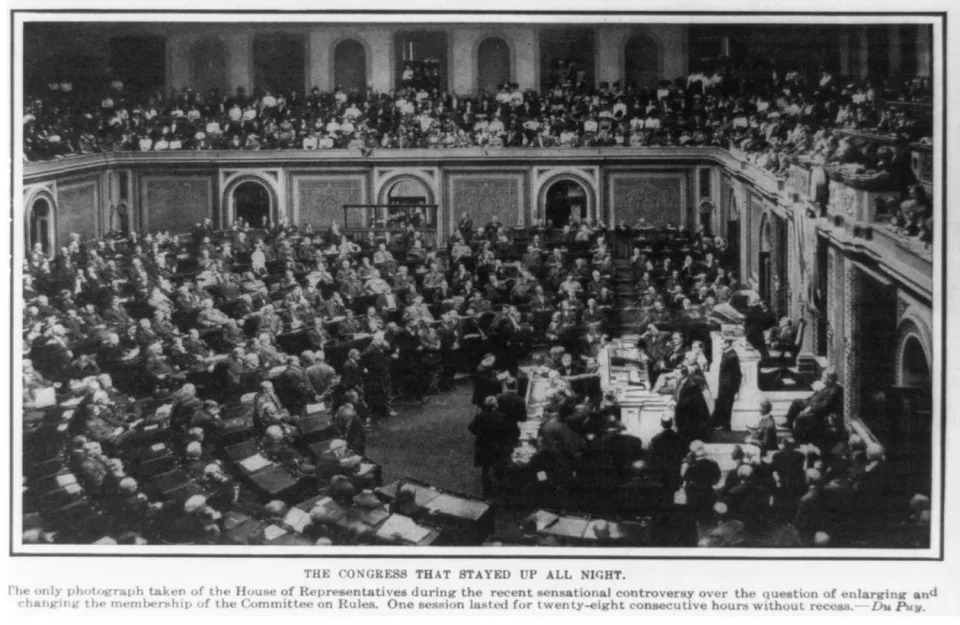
[(659, 198), (756, 219), (484, 195), (319, 200), (175, 202), (78, 206), (836, 308)]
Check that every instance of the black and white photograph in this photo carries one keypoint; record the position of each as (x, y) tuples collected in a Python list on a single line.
[(489, 283)]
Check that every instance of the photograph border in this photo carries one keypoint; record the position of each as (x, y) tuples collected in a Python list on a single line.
[(506, 552)]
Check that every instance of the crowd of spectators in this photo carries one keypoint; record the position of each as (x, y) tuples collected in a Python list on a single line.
[(773, 116)]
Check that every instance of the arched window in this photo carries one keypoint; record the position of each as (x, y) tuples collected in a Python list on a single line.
[(40, 226), (140, 62), (350, 66), (208, 66), (641, 62), (421, 60), (493, 64), (566, 56), (279, 63), (915, 371)]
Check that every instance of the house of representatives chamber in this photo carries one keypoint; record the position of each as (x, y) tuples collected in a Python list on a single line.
[(590, 285)]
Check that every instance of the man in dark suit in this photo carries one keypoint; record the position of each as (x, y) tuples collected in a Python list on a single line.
[(806, 416), (759, 319), (728, 385), (465, 227), (667, 450), (510, 402), (495, 434), (485, 380)]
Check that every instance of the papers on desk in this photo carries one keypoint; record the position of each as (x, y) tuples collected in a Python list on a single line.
[(615, 530), (234, 519), (272, 532), (458, 507), (399, 527), (73, 402), (374, 516), (297, 519), (247, 398), (164, 411), (66, 479), (316, 408), (567, 527), (332, 508), (254, 463), (365, 469), (543, 519)]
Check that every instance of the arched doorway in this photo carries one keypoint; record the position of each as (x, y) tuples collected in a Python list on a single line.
[(350, 66), (40, 226), (914, 368), (732, 231), (208, 66), (765, 263), (493, 64), (408, 191), (566, 202), (641, 61), (253, 203)]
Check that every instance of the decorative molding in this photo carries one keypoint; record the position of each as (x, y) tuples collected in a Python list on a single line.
[(484, 195), (852, 295), (659, 198), (384, 177), (78, 209), (912, 327), (319, 199), (545, 177), (271, 178), (172, 201)]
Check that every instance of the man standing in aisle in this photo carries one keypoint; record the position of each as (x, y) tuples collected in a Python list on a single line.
[(728, 385)]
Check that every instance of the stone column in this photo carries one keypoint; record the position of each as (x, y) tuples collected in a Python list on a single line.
[(462, 62), (924, 50), (896, 54), (319, 63), (852, 286), (676, 55), (863, 52), (382, 62), (240, 64), (845, 52), (526, 52), (608, 60), (178, 61)]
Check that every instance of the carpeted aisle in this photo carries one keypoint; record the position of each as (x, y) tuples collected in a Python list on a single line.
[(429, 442)]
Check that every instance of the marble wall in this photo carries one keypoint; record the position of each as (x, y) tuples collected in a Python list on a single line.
[(175, 202), (78, 209), (484, 195), (319, 199), (660, 198)]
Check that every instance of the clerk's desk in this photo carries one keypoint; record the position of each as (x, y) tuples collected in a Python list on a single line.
[(622, 373)]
